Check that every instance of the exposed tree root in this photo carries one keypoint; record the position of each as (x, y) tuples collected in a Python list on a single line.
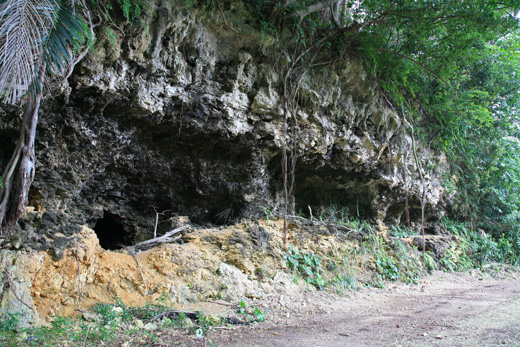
[(19, 173)]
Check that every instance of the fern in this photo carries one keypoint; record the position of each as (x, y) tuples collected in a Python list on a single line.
[(132, 9)]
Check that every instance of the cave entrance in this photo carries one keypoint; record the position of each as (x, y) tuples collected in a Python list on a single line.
[(328, 192), (110, 232)]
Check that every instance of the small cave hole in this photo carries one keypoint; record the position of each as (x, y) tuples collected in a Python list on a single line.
[(110, 232)]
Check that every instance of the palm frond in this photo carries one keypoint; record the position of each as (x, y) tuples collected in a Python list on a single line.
[(35, 34), (23, 26), (68, 33)]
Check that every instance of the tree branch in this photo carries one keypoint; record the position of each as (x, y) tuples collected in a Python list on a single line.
[(304, 12), (162, 239)]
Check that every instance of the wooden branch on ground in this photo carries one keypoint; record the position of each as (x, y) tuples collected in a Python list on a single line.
[(175, 314), (231, 305), (222, 303), (194, 316), (224, 328), (170, 236)]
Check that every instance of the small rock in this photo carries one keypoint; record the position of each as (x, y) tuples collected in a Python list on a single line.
[(212, 319), (91, 317), (252, 295), (22, 336), (68, 301), (187, 323), (138, 324), (117, 310), (150, 327)]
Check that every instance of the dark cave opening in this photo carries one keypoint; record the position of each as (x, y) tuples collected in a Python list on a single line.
[(110, 232), (327, 192), (334, 204)]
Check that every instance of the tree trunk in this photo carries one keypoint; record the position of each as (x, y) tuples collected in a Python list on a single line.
[(19, 173)]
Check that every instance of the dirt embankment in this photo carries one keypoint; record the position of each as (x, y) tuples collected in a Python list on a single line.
[(243, 261)]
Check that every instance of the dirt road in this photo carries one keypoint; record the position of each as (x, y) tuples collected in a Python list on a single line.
[(447, 309)]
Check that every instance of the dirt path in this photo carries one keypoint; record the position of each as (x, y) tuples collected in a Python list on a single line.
[(447, 309)]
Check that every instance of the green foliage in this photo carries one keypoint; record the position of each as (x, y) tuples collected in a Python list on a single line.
[(8, 326), (149, 310), (339, 215), (397, 261), (112, 39), (62, 330), (387, 268), (9, 321), (386, 265), (242, 306), (259, 314), (107, 313), (429, 262), (268, 213), (345, 281), (307, 265), (341, 270), (457, 258), (252, 315), (115, 320), (477, 248), (70, 31), (401, 231), (132, 9), (455, 228)]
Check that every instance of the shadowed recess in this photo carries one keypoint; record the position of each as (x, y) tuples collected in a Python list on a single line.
[(110, 232)]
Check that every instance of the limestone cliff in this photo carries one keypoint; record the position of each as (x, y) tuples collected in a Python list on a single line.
[(184, 114)]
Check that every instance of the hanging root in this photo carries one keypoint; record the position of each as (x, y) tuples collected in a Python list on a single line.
[(11, 286)]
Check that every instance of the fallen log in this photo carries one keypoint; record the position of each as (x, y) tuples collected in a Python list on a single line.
[(195, 316), (170, 236)]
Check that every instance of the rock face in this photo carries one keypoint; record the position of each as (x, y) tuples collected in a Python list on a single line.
[(184, 117)]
